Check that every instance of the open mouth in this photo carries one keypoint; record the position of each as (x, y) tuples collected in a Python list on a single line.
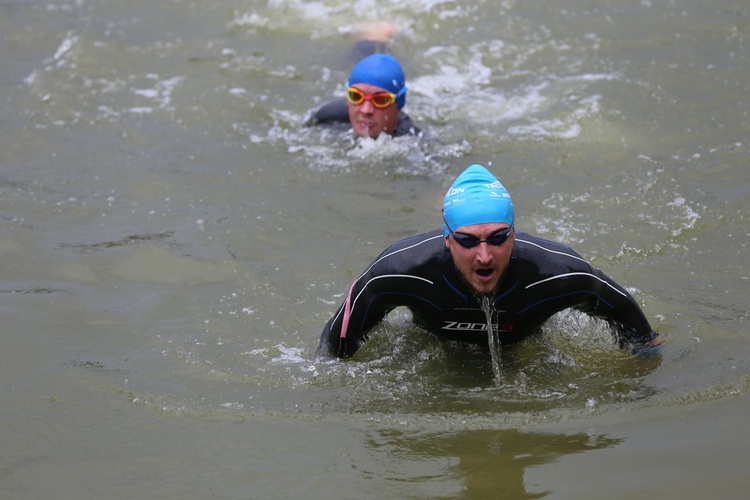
[(484, 273), (365, 126)]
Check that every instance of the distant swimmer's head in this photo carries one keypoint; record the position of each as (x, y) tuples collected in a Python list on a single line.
[(383, 71), (476, 197)]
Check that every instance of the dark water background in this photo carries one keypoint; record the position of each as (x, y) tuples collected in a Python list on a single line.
[(172, 240)]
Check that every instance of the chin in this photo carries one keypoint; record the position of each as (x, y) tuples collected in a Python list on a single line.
[(484, 289)]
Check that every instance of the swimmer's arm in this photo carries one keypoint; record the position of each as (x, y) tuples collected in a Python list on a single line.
[(623, 313), (347, 329), (331, 112)]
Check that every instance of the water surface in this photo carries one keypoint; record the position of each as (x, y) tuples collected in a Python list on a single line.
[(174, 239)]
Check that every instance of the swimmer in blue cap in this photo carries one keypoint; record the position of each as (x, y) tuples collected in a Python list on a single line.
[(376, 92), (477, 208), (375, 96), (447, 276)]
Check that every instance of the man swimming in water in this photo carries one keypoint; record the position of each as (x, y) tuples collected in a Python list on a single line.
[(442, 276), (375, 95)]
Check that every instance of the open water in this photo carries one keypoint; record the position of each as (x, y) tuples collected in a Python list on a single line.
[(173, 239)]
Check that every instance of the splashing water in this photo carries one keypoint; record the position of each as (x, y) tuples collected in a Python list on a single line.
[(493, 338)]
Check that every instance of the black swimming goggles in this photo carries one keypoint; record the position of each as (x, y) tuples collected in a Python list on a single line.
[(468, 241)]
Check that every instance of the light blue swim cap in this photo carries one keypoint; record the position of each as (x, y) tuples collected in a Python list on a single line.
[(476, 197), (381, 70)]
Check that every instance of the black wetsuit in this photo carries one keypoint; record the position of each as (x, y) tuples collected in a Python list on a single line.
[(542, 279), (338, 112)]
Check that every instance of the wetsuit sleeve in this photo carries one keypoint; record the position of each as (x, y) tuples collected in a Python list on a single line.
[(347, 329), (404, 274), (332, 112), (615, 305)]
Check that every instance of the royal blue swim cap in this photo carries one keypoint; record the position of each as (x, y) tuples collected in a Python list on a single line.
[(381, 70), (476, 197)]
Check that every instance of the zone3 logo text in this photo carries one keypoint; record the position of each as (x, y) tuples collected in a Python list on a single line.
[(474, 327)]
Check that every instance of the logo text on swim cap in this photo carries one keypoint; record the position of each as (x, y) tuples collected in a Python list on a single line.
[(454, 191), (495, 185), (503, 194), (453, 202)]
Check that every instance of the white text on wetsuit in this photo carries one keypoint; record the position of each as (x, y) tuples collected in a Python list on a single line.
[(474, 327)]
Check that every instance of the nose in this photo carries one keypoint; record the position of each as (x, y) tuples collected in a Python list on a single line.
[(483, 255), (366, 107)]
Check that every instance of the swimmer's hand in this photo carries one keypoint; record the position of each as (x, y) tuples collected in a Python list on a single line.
[(648, 349)]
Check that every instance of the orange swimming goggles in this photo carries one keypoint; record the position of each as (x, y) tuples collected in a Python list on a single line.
[(379, 99)]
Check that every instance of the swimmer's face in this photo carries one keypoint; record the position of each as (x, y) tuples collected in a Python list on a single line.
[(484, 265), (369, 121)]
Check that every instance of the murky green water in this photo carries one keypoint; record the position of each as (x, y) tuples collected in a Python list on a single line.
[(172, 241)]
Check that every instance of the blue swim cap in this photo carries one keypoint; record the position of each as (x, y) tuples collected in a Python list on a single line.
[(476, 197), (381, 70)]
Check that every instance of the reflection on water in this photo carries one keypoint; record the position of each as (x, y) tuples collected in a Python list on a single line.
[(488, 463)]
